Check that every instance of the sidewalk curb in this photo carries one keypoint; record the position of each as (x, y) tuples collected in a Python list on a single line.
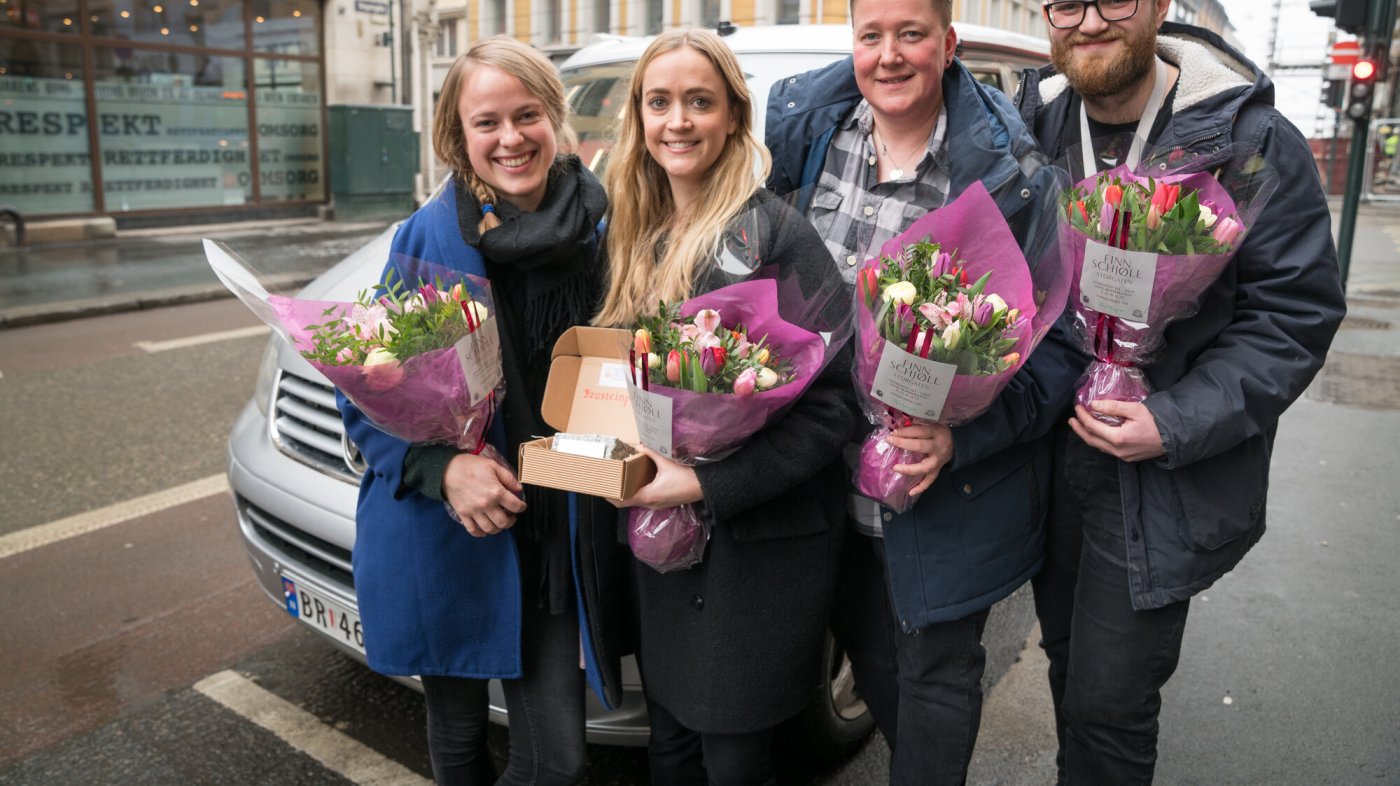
[(46, 313)]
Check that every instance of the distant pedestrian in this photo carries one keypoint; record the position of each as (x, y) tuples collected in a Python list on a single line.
[(1152, 512)]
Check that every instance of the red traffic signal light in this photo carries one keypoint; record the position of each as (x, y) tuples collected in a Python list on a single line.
[(1363, 70)]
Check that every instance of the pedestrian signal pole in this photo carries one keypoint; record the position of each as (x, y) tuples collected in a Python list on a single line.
[(1372, 21)]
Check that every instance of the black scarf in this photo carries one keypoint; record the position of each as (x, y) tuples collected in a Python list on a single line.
[(545, 278)]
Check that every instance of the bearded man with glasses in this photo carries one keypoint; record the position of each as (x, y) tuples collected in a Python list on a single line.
[(1149, 513)]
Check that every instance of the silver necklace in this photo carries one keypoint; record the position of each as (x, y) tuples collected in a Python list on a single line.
[(898, 172)]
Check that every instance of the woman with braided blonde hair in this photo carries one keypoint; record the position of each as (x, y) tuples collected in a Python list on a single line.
[(492, 596)]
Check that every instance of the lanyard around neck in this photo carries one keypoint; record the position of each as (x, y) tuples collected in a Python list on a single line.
[(1144, 126)]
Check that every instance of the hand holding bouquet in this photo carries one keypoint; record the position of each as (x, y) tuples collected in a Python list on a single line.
[(1145, 250), (707, 374), (942, 325)]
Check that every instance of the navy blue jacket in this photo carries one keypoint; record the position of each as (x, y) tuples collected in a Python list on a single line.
[(1228, 373), (977, 533)]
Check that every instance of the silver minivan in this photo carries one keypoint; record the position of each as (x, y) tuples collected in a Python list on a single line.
[(294, 475)]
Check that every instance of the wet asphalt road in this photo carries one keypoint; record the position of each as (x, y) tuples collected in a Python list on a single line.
[(104, 637)]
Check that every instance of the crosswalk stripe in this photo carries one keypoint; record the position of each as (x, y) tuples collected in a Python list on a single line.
[(203, 338), (83, 523), (305, 732)]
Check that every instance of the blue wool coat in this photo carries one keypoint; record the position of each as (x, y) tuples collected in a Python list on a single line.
[(433, 599), (978, 532)]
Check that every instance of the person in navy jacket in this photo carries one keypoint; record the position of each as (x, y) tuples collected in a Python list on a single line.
[(869, 145), (1150, 513), (493, 596)]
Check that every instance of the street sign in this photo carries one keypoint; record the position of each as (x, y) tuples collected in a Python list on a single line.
[(380, 7), (1345, 52)]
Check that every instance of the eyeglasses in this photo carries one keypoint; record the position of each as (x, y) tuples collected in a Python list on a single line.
[(1067, 14)]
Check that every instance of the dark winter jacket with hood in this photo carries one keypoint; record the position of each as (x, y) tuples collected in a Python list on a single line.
[(977, 533), (1225, 375)]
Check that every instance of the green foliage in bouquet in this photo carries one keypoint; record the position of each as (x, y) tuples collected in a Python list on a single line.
[(396, 325), (921, 299), (1163, 220), (700, 354)]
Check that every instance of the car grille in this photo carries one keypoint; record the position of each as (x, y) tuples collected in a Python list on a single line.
[(306, 426), (326, 559)]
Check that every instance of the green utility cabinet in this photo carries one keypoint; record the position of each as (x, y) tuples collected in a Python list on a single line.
[(373, 160)]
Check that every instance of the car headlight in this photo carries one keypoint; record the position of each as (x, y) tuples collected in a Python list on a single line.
[(267, 375)]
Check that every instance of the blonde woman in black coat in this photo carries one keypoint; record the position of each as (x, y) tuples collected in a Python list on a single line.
[(729, 648)]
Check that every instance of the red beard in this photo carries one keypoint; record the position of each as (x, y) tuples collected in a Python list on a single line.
[(1096, 76)]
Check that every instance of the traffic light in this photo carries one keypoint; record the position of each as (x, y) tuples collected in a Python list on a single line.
[(1351, 16), (1333, 91), (1363, 87)]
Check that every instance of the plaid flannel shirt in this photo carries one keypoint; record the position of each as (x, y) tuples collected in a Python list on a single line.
[(852, 212), (855, 215)]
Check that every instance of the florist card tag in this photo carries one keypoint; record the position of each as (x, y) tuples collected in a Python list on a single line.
[(1117, 282), (653, 414), (612, 375), (480, 356), (911, 384)]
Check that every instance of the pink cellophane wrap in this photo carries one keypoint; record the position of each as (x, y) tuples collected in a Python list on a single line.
[(707, 426), (422, 399), (1121, 347), (972, 228), (667, 539), (425, 398)]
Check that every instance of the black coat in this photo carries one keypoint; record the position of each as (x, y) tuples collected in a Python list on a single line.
[(733, 644), (1225, 375)]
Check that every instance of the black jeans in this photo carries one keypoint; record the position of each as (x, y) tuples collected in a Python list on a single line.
[(682, 757), (923, 687), (1108, 662), (545, 707)]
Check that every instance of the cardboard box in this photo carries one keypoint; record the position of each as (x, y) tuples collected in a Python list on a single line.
[(587, 394)]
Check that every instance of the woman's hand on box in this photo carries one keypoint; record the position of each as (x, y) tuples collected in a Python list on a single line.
[(674, 484), (483, 493)]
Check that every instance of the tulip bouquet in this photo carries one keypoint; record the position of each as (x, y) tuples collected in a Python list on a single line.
[(1145, 250), (419, 356), (941, 332), (706, 375)]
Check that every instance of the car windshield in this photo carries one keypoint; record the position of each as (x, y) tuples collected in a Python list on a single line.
[(597, 94)]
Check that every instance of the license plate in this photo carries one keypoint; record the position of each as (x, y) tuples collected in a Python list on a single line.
[(322, 613)]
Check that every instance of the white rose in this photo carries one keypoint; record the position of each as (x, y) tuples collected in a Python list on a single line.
[(1207, 217), (767, 378), (900, 292), (479, 312), (379, 356)]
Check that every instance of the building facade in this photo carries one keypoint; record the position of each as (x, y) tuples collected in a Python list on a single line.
[(140, 107), (160, 108)]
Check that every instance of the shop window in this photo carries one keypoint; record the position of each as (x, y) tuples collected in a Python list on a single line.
[(447, 37), (655, 16), (52, 16), (789, 12), (217, 24), (602, 16), (290, 164), (555, 29), (288, 27), (44, 162), (709, 13), (498, 14), (172, 130)]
